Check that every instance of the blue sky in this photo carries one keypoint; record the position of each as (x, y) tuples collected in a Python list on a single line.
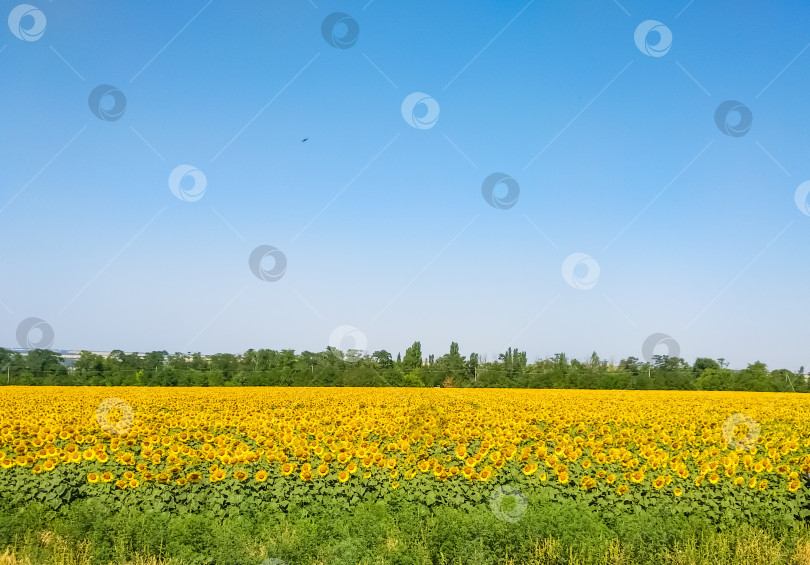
[(616, 153)]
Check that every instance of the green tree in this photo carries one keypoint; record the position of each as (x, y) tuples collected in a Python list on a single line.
[(45, 364), (89, 368), (12, 366), (703, 363), (672, 373), (362, 374), (784, 381), (450, 366), (755, 377), (413, 357), (153, 365), (413, 379), (715, 379), (383, 359), (559, 371), (227, 364)]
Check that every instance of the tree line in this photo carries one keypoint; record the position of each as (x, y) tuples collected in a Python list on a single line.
[(333, 367)]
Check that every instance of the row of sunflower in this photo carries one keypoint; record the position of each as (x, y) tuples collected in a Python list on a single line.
[(620, 443)]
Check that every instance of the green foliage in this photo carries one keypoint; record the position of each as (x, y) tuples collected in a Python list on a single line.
[(413, 379), (333, 367), (413, 357), (399, 533)]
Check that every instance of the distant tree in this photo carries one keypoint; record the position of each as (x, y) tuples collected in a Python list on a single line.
[(214, 377), (354, 355), (784, 380), (89, 368), (7, 357), (755, 377), (177, 360), (362, 374), (120, 367), (514, 363), (471, 367), (413, 357), (153, 364), (493, 375), (198, 362), (672, 373), (383, 358), (703, 363), (615, 378), (715, 379), (450, 366), (307, 363), (333, 367), (226, 364), (592, 372), (537, 375), (392, 376), (44, 363), (801, 380), (413, 379), (559, 371), (642, 380), (631, 365)]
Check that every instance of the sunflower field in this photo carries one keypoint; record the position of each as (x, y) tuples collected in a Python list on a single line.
[(230, 451)]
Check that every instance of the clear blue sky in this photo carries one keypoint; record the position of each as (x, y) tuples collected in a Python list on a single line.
[(617, 155)]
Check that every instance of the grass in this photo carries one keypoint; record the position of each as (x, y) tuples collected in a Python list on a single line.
[(380, 535), (51, 549), (746, 547)]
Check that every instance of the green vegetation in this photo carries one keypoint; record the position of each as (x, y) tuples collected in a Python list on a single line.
[(95, 533), (267, 367)]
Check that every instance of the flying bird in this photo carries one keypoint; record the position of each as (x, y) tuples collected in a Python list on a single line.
[(305, 139)]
